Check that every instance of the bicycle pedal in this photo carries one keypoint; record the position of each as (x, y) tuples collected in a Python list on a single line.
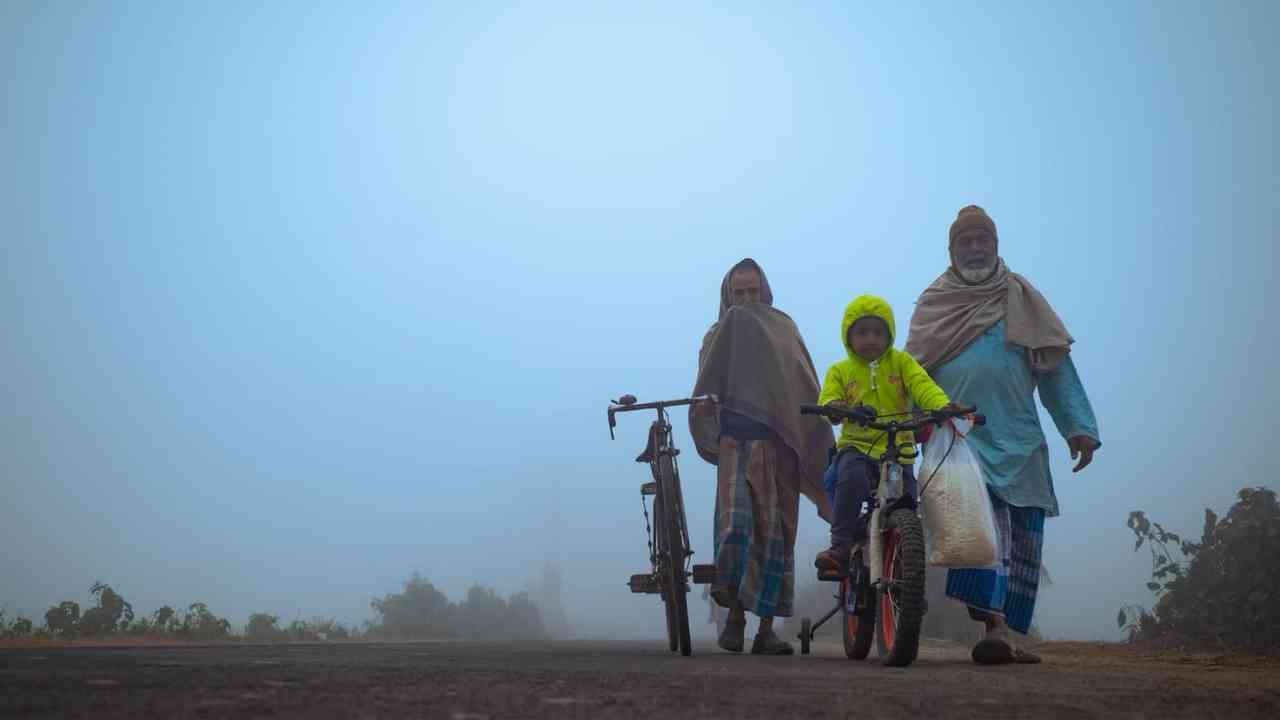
[(649, 488), (704, 574), (644, 583)]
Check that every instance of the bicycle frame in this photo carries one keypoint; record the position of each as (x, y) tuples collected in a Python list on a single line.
[(883, 497), (668, 537)]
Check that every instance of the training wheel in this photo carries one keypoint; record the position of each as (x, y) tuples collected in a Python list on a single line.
[(806, 634)]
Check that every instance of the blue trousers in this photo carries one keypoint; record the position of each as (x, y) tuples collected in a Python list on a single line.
[(849, 488)]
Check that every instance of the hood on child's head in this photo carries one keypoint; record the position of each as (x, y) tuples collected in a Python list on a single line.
[(866, 306)]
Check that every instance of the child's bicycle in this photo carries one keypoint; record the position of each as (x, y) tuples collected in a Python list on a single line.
[(886, 578), (668, 536)]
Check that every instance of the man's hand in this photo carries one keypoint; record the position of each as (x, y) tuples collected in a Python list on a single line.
[(1082, 446)]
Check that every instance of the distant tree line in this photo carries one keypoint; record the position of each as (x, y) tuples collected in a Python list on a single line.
[(418, 611)]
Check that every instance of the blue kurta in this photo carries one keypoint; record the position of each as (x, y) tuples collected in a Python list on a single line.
[(996, 377)]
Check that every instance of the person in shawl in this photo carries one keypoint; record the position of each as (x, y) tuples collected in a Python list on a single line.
[(767, 454), (986, 334)]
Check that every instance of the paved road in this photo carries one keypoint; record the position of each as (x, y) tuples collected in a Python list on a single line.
[(473, 681)]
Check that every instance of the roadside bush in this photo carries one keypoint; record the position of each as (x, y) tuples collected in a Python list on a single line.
[(262, 628), (423, 611), (18, 629), (111, 613), (418, 611), (1220, 591), (200, 624), (63, 619)]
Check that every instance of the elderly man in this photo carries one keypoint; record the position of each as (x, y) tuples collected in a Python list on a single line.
[(767, 455), (986, 335)]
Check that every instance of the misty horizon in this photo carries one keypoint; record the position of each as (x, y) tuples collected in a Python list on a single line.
[(302, 300)]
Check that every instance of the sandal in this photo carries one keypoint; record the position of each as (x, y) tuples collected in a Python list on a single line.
[(732, 637), (1025, 657), (991, 651), (768, 643)]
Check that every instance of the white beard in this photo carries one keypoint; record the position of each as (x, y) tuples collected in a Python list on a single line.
[(974, 276)]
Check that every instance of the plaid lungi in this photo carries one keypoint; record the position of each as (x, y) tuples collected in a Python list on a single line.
[(755, 526), (1010, 588)]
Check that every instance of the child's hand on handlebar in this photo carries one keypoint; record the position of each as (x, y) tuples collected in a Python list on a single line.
[(706, 407), (866, 412), (838, 405)]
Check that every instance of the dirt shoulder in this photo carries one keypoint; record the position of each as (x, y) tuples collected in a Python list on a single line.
[(465, 681)]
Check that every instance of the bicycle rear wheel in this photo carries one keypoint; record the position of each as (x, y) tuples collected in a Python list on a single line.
[(902, 604), (673, 527)]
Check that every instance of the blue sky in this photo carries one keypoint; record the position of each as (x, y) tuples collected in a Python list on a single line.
[(302, 298)]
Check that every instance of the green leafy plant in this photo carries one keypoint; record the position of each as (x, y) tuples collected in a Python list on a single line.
[(1221, 590)]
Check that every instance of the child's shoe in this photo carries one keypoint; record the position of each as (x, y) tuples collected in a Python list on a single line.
[(833, 559)]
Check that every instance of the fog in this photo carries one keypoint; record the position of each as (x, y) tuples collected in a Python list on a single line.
[(301, 299)]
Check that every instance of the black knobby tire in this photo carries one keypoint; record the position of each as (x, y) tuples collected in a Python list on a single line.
[(806, 634), (859, 629), (902, 607), (677, 581), (673, 630), (668, 603)]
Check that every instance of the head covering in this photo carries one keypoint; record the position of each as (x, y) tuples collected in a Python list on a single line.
[(726, 292), (861, 307), (951, 313), (972, 217)]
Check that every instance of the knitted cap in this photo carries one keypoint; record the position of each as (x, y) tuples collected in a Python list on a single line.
[(972, 217)]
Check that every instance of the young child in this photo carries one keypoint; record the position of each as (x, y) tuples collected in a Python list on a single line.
[(887, 381)]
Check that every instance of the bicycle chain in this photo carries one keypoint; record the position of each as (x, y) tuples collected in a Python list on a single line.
[(648, 531)]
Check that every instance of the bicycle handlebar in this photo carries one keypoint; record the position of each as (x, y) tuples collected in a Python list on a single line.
[(627, 403), (864, 418)]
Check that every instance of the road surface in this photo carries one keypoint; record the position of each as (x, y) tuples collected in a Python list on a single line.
[(597, 679)]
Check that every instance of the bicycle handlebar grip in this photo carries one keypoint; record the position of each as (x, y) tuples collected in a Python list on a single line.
[(813, 410)]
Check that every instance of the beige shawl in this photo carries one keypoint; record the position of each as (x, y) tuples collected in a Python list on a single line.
[(951, 313), (755, 361)]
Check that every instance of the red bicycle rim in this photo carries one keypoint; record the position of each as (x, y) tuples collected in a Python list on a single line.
[(888, 617)]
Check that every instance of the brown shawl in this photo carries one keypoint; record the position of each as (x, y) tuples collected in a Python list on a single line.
[(756, 363), (950, 314)]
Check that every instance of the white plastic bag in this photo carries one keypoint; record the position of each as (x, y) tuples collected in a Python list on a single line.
[(960, 530)]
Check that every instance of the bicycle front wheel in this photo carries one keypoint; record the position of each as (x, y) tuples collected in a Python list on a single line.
[(902, 600), (673, 527)]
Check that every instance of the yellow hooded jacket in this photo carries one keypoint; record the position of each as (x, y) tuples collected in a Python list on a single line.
[(889, 384)]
